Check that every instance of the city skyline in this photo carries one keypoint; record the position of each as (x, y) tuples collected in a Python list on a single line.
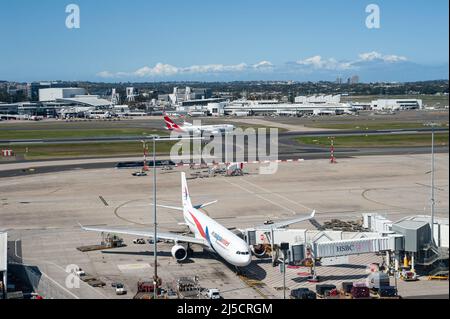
[(232, 41)]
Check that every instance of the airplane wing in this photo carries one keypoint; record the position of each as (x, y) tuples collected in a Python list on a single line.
[(205, 205), (200, 206), (144, 233), (169, 207), (286, 223)]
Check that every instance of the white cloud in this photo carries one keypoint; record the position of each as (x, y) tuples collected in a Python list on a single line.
[(263, 65), (376, 56), (311, 64), (317, 62), (161, 69), (105, 74), (214, 68)]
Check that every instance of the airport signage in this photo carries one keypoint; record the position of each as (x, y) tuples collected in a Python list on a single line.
[(346, 247)]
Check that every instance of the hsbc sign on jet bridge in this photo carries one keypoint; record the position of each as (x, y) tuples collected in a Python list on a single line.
[(354, 247)]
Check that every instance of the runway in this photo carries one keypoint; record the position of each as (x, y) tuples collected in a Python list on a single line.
[(288, 148), (281, 135)]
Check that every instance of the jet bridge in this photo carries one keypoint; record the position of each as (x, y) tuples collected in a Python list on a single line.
[(324, 244), (358, 246)]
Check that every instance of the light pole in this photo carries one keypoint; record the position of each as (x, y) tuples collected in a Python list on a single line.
[(433, 202), (432, 184), (155, 223), (284, 248), (155, 138), (155, 241)]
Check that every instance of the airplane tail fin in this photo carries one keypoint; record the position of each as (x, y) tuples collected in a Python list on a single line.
[(186, 199), (171, 125)]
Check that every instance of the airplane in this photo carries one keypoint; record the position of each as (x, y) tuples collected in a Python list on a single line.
[(196, 129), (207, 232)]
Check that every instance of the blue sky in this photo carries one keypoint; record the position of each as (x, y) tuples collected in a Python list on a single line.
[(141, 40)]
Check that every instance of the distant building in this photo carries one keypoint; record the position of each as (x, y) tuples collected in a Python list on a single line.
[(304, 106), (53, 94), (188, 94), (397, 104), (92, 101), (216, 109), (131, 94), (354, 79), (34, 87), (26, 109), (320, 99)]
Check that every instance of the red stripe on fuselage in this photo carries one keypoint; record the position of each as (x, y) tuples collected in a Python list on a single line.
[(199, 226)]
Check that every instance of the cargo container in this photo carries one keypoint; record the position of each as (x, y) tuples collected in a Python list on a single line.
[(303, 293), (146, 286), (360, 292), (377, 280), (388, 291), (322, 289), (347, 287)]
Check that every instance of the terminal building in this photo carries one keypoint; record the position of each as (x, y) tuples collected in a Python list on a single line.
[(179, 95), (24, 110), (53, 94), (321, 99), (65, 103), (313, 105), (396, 104)]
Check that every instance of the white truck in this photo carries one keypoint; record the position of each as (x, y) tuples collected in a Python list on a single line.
[(213, 294), (120, 289)]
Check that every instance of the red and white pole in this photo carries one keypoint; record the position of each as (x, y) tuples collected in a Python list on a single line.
[(332, 149), (146, 168)]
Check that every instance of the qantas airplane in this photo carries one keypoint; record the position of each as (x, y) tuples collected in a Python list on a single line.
[(198, 129), (207, 233)]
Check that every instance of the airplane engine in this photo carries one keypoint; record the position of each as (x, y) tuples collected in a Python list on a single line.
[(259, 250), (179, 252)]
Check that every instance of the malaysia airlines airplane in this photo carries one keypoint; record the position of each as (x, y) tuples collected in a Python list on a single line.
[(207, 233), (198, 129)]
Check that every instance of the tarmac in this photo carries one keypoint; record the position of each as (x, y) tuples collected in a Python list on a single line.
[(41, 214)]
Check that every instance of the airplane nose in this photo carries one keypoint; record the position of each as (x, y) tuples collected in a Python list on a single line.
[(245, 260)]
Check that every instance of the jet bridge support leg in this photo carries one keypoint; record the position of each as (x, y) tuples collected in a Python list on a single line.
[(397, 262), (388, 260)]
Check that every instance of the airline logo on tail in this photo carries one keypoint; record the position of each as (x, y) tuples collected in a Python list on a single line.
[(171, 125)]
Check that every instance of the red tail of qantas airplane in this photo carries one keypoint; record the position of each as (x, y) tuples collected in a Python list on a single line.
[(171, 125)]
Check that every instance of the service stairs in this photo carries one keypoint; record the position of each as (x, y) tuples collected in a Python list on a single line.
[(435, 262)]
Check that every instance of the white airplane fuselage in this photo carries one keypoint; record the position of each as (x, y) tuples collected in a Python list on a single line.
[(221, 240), (198, 129), (225, 128)]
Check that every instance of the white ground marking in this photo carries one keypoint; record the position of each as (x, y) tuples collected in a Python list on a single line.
[(276, 194), (262, 197)]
